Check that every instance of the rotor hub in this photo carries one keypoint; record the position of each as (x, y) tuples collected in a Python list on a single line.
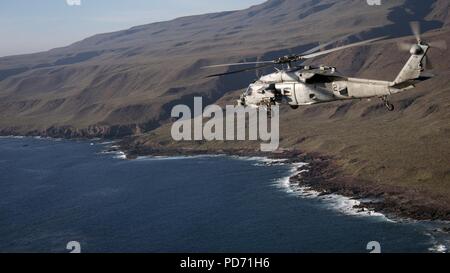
[(416, 50)]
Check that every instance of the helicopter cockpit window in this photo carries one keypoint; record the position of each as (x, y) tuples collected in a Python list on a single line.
[(261, 90), (249, 91)]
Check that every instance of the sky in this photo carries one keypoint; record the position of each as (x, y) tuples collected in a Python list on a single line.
[(37, 25)]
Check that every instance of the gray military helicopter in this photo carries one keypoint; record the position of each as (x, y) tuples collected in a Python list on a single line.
[(299, 85)]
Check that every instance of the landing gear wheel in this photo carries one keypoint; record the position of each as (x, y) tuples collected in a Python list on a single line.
[(389, 106)]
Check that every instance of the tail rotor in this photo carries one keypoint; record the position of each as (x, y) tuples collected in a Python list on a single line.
[(416, 30), (415, 27)]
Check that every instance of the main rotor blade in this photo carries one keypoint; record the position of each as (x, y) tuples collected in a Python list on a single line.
[(405, 46), (317, 48), (239, 71), (415, 27), (237, 64), (442, 45), (313, 55), (295, 58)]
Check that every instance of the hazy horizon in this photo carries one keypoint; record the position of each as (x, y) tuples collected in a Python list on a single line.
[(34, 26)]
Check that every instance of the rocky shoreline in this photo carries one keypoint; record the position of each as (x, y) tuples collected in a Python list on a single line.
[(323, 175)]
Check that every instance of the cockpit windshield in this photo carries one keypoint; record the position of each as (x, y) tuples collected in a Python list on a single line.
[(253, 88), (249, 90)]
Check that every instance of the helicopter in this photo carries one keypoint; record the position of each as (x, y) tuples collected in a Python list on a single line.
[(299, 85)]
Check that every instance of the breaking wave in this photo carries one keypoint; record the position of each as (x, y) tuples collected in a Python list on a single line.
[(343, 204), (158, 158), (439, 248), (116, 154), (439, 237), (263, 161), (13, 137)]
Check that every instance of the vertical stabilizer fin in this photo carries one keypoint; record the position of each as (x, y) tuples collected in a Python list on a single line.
[(415, 65)]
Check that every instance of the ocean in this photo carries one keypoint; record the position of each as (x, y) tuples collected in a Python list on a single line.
[(57, 191)]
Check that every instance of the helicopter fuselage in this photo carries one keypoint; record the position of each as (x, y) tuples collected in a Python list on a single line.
[(306, 86)]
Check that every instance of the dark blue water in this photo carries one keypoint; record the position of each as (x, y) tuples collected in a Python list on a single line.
[(53, 192)]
